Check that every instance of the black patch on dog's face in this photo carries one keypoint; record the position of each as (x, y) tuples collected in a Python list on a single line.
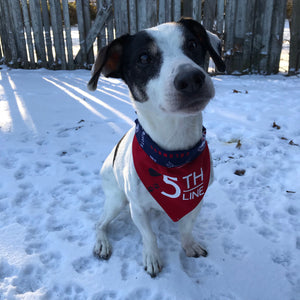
[(142, 60), (192, 47)]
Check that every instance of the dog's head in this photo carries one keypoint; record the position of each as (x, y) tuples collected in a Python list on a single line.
[(163, 66)]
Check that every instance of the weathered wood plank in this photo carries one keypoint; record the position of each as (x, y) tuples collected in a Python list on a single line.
[(229, 33), (101, 37), (37, 27), (87, 26), (168, 12), (209, 14), (121, 17), (11, 53), (14, 6), (261, 37), (220, 17), (239, 24), (177, 9), (68, 34), (46, 22), (187, 8), (60, 34), (81, 59), (294, 61), (162, 11), (56, 24), (197, 10), (146, 14), (276, 37), (248, 13), (102, 17), (4, 34), (132, 6)]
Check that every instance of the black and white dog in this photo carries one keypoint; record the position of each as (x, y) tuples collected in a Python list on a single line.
[(163, 162)]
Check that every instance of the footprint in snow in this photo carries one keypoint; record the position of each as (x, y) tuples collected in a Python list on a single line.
[(29, 279), (197, 267), (105, 295), (51, 259), (68, 292), (234, 250), (41, 166), (82, 264)]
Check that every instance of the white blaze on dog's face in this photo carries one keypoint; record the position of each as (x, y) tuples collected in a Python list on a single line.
[(163, 66)]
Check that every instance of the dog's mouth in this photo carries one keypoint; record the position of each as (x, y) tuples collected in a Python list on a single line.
[(183, 105), (191, 106)]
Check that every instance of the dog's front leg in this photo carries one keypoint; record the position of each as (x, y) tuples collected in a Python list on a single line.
[(186, 225), (151, 259)]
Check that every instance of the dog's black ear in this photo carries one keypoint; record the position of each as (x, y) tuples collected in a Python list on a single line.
[(207, 39), (108, 61)]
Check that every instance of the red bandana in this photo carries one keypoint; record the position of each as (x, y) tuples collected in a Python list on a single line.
[(178, 190)]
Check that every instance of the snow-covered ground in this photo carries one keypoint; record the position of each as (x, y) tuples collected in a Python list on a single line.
[(54, 136)]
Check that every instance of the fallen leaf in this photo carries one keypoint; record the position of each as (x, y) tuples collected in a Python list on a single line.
[(276, 126), (291, 142), (240, 172)]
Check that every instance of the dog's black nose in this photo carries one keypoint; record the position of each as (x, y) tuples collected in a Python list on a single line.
[(189, 80)]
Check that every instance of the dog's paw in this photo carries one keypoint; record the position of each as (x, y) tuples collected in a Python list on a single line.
[(152, 263), (193, 249), (102, 249)]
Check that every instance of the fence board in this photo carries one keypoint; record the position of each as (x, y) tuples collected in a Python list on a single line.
[(19, 31), (168, 13), (239, 60), (162, 11), (121, 17), (294, 61), (209, 14), (146, 14), (262, 26), (176, 10), (60, 33), (68, 34), (82, 58), (197, 10), (102, 16), (11, 54), (220, 17), (101, 38), (37, 28), (3, 36), (46, 22), (132, 16), (87, 26), (187, 8), (276, 37)]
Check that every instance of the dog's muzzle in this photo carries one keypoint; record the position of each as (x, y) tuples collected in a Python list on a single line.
[(189, 80)]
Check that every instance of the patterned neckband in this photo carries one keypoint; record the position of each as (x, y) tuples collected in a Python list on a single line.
[(169, 159)]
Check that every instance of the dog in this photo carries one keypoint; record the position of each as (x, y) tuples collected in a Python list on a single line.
[(163, 162)]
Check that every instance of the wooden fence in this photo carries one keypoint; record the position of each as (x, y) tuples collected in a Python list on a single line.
[(37, 33)]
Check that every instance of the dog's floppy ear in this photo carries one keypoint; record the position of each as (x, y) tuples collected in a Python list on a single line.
[(108, 61), (207, 39)]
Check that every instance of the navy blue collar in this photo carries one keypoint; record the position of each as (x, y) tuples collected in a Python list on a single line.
[(169, 159)]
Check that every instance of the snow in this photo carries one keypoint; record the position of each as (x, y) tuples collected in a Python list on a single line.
[(54, 137)]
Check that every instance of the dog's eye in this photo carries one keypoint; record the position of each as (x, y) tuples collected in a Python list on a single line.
[(191, 44), (144, 59)]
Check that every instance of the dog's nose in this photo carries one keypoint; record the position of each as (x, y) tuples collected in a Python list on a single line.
[(189, 81)]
